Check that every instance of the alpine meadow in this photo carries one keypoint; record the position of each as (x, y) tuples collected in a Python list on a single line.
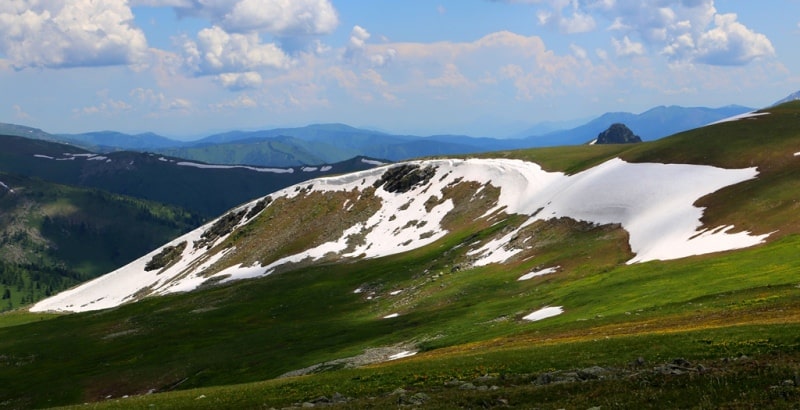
[(657, 274)]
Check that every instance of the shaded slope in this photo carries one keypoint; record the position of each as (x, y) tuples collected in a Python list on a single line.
[(202, 188)]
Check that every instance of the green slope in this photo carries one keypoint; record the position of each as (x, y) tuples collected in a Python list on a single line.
[(736, 314), (55, 236)]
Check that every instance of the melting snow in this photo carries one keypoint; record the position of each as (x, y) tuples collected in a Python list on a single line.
[(257, 169), (652, 202), (2, 184), (401, 355), (372, 162), (545, 271), (544, 313), (392, 316), (748, 115)]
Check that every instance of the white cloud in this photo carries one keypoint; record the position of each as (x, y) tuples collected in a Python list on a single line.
[(281, 18), (575, 21), (578, 51), (451, 77), (19, 113), (240, 81), (681, 30), (242, 101), (731, 43), (627, 48), (56, 34), (217, 52)]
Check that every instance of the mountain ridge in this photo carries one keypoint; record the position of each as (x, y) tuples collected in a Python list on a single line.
[(316, 144)]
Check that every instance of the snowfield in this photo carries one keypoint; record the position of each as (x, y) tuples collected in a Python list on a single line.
[(653, 202)]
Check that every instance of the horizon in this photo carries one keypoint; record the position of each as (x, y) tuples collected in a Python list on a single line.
[(561, 126), (485, 68)]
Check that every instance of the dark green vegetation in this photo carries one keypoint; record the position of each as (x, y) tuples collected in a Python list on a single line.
[(206, 191), (55, 236), (713, 331)]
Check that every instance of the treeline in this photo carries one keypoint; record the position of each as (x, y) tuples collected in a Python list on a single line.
[(24, 284)]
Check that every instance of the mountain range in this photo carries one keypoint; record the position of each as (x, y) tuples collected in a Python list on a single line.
[(329, 143), (620, 273), (205, 189), (656, 274)]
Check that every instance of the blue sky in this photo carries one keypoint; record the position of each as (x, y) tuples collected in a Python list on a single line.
[(186, 68)]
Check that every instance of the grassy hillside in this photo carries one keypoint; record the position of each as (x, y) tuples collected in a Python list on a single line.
[(55, 236), (714, 331), (208, 191)]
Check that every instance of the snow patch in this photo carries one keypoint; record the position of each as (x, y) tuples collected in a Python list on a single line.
[(308, 169), (257, 169), (544, 313), (545, 271), (391, 316), (396, 292), (2, 184), (748, 115), (372, 162), (401, 355), (43, 156), (326, 168), (652, 202)]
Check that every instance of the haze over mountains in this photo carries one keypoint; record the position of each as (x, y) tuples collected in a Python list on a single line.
[(329, 143)]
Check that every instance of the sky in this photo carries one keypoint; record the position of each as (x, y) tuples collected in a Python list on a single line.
[(189, 68)]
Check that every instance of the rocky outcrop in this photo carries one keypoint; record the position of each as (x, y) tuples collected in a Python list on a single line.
[(617, 134)]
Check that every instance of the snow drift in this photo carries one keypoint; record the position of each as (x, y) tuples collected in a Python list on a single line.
[(653, 202)]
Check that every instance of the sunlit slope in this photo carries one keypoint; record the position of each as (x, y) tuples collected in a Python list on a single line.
[(386, 263)]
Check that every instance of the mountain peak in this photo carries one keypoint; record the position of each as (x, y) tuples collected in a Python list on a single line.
[(617, 133)]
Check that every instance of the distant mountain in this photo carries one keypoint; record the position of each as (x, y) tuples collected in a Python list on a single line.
[(320, 144), (791, 97), (653, 124), (107, 141), (27, 132), (325, 143), (202, 188)]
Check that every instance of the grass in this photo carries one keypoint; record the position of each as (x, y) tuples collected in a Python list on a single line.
[(736, 314)]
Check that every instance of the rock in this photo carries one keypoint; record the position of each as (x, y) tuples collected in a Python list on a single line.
[(591, 373), (418, 399), (543, 379), (467, 386), (399, 391), (617, 134), (321, 399)]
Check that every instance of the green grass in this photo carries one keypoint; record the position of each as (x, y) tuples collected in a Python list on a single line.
[(224, 346)]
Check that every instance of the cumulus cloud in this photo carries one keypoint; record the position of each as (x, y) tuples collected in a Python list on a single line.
[(236, 58), (281, 18), (627, 48), (682, 30), (731, 43), (58, 34), (687, 31), (574, 20)]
